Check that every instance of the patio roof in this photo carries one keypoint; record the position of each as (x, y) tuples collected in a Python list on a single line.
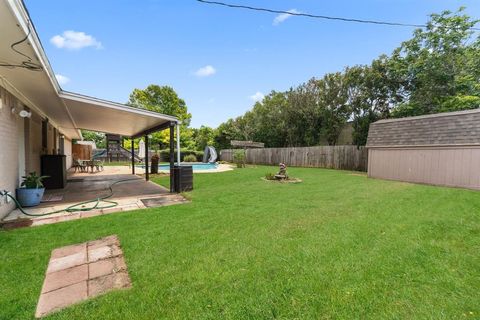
[(39, 89), (110, 117)]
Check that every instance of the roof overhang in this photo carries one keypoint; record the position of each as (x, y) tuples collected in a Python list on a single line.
[(40, 91), (110, 117)]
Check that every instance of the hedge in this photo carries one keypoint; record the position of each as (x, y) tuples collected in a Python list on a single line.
[(165, 154)]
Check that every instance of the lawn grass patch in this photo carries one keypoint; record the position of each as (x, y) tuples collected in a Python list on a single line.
[(337, 245)]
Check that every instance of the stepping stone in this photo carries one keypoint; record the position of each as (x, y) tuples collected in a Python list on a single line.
[(82, 271), (64, 278), (66, 262), (104, 267), (61, 298), (106, 283)]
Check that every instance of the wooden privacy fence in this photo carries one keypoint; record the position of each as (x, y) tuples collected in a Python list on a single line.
[(334, 157)]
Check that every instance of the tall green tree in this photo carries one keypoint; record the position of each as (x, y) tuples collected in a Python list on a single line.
[(204, 136), (332, 98), (97, 137), (165, 100), (437, 70), (439, 66)]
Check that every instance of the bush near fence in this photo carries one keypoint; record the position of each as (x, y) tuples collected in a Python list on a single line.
[(335, 157), (165, 154)]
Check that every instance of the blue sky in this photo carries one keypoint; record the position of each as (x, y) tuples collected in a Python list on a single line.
[(217, 59)]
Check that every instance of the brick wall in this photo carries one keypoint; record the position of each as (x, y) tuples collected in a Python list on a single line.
[(9, 148)]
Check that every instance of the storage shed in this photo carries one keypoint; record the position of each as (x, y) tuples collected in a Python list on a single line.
[(440, 149)]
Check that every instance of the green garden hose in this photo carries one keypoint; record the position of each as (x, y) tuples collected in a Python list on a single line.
[(81, 206)]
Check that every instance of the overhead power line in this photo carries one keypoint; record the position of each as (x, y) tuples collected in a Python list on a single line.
[(315, 16)]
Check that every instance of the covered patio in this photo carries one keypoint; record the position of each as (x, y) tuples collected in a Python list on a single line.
[(125, 192), (42, 121)]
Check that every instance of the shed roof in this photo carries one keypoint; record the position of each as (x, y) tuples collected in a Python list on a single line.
[(448, 128)]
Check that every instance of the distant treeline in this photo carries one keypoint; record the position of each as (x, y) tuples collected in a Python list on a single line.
[(437, 70)]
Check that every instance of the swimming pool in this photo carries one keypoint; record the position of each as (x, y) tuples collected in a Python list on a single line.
[(195, 166)]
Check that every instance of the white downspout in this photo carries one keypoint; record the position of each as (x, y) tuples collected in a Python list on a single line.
[(178, 143)]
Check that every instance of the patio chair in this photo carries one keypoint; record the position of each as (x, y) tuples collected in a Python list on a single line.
[(99, 165), (79, 165)]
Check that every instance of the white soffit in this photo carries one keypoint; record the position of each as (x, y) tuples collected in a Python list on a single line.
[(110, 117)]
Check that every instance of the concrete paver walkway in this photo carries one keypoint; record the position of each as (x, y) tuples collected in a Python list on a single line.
[(82, 271)]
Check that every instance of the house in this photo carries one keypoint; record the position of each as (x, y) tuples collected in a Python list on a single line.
[(38, 118), (440, 149)]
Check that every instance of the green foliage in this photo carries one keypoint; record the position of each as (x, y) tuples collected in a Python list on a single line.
[(97, 137), (439, 64), (270, 176), (162, 99), (202, 137), (239, 158), (165, 155), (437, 70), (33, 181), (190, 158)]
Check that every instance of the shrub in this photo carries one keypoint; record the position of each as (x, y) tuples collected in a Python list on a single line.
[(239, 158), (190, 158), (270, 176), (165, 155)]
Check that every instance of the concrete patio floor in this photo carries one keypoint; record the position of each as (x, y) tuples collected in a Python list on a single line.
[(81, 187)]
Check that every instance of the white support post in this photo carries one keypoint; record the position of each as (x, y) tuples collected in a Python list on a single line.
[(178, 143)]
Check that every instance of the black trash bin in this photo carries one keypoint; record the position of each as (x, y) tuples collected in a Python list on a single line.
[(54, 166), (182, 178)]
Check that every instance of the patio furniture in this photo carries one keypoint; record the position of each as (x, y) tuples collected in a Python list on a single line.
[(79, 165), (94, 165), (98, 164)]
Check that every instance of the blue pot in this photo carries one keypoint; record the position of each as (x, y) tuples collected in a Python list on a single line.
[(29, 197)]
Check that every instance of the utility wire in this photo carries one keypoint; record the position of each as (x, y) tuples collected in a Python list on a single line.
[(28, 64), (308, 15)]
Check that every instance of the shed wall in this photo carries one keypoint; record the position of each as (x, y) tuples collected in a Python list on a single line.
[(444, 166)]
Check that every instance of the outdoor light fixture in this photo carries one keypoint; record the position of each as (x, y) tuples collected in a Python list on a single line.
[(25, 114), (22, 113)]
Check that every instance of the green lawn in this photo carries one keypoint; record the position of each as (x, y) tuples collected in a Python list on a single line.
[(337, 246)]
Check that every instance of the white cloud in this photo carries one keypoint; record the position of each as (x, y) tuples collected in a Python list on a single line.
[(75, 40), (205, 71), (257, 97), (284, 16), (62, 80)]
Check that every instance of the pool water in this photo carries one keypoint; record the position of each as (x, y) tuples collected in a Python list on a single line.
[(195, 166)]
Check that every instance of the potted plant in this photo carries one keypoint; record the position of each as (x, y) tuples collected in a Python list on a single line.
[(31, 192)]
